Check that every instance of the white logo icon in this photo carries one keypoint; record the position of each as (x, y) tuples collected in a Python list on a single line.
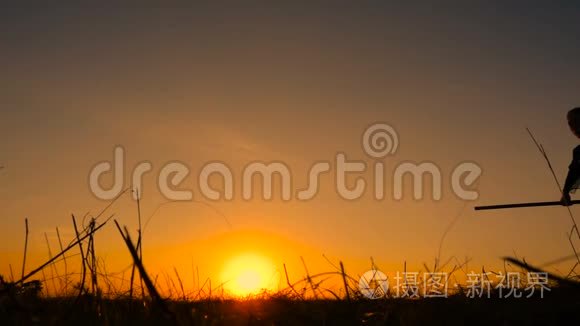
[(374, 284)]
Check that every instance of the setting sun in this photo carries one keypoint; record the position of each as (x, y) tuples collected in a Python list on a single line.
[(248, 274)]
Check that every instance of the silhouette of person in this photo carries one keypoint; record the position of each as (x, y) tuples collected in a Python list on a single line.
[(573, 179)]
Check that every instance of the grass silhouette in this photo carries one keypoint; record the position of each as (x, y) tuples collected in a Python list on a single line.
[(90, 296)]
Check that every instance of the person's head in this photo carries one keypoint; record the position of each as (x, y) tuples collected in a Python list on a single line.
[(574, 121)]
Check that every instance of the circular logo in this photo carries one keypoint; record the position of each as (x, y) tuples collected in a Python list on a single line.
[(380, 140), (374, 284)]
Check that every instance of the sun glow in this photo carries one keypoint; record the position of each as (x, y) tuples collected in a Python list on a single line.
[(248, 274)]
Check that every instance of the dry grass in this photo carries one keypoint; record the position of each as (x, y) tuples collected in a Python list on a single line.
[(94, 296)]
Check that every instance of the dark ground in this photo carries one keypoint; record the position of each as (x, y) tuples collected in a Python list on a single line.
[(559, 307)]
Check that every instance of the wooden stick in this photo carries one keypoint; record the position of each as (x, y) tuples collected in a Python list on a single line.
[(535, 204)]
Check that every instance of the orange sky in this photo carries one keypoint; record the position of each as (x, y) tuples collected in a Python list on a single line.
[(292, 84)]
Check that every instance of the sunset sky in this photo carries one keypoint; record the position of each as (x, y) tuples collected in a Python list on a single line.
[(246, 82)]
